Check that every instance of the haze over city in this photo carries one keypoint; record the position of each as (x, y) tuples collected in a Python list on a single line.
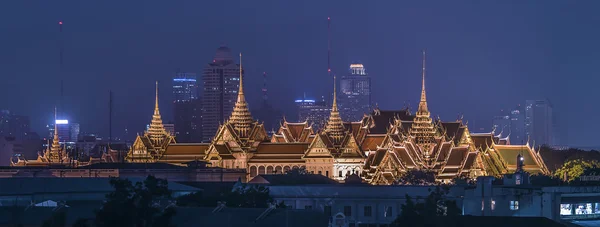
[(481, 57)]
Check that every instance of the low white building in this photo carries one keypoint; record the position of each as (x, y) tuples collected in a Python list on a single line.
[(514, 196)]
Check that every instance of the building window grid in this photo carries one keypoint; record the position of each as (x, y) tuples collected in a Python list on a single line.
[(514, 205)]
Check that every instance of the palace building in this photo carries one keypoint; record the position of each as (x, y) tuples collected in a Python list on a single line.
[(380, 148), (151, 146)]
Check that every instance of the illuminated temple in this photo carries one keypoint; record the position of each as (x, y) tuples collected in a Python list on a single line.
[(380, 148), (151, 146)]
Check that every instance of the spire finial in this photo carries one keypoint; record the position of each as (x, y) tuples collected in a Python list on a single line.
[(241, 91), (156, 98), (423, 96)]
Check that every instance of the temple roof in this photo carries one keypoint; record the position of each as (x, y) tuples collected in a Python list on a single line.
[(382, 119)]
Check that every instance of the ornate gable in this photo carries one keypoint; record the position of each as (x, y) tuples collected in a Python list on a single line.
[(320, 147)]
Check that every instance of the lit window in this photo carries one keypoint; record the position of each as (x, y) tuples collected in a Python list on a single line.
[(388, 212), (514, 205), (493, 205)]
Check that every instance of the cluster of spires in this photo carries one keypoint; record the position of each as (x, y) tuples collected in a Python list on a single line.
[(242, 120)]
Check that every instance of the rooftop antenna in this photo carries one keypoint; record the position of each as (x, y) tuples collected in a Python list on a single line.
[(264, 89), (60, 66)]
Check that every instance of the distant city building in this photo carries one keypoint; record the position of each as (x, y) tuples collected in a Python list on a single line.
[(517, 126), (67, 131), (14, 125), (539, 122), (186, 108), (355, 94), (185, 87), (170, 128), (221, 82), (502, 123), (313, 111)]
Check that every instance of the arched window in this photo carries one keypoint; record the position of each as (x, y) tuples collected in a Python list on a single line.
[(253, 171)]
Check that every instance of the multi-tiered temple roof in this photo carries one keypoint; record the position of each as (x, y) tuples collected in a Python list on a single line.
[(151, 146)]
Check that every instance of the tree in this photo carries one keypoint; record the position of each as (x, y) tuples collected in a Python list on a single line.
[(424, 213), (136, 204), (247, 196), (572, 169), (58, 219), (417, 177)]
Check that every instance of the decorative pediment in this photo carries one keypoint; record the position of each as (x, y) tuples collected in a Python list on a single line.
[(318, 148)]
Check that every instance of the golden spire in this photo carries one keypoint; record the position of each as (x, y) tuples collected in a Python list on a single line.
[(55, 140), (335, 125), (156, 110), (423, 103), (422, 128), (241, 117), (156, 132)]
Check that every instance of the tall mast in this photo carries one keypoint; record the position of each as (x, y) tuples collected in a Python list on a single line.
[(60, 66), (334, 127)]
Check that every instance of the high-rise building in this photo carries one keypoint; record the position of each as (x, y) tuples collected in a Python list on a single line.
[(355, 93), (313, 111), (185, 87), (221, 82), (517, 126), (186, 108), (67, 131), (501, 122), (12, 125), (539, 122)]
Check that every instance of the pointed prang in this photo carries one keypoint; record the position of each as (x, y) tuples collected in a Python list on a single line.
[(156, 110), (241, 117)]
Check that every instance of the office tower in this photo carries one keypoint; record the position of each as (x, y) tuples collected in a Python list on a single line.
[(539, 122), (517, 126), (67, 131), (186, 108), (501, 123), (221, 82), (185, 87), (313, 111), (13, 125), (355, 93)]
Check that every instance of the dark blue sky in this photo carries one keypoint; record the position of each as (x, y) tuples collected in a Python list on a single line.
[(483, 56)]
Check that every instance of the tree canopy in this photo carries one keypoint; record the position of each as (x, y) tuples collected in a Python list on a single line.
[(247, 196), (424, 213), (573, 169), (136, 204)]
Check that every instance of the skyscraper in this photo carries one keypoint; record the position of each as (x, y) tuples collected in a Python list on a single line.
[(502, 123), (313, 111), (14, 125), (221, 83), (539, 122), (517, 126), (355, 93), (186, 108)]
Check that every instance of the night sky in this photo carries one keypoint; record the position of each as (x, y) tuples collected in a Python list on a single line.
[(482, 56)]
